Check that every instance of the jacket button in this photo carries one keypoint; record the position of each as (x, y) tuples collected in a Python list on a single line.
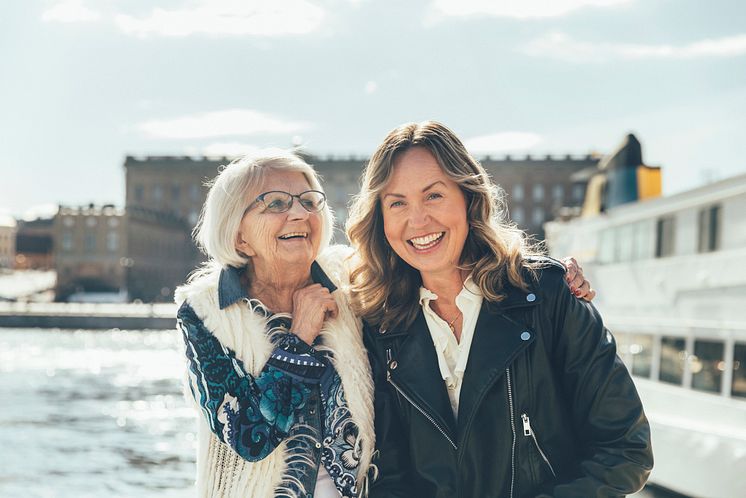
[(531, 297), (318, 446), (525, 335), (393, 365)]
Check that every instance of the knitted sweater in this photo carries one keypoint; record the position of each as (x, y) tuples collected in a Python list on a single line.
[(244, 332)]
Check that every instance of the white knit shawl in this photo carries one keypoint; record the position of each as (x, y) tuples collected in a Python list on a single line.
[(220, 471)]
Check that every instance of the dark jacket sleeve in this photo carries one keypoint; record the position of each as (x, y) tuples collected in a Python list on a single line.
[(606, 409), (252, 414), (392, 455)]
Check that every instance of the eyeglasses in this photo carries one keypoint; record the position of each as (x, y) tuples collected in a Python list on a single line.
[(277, 201)]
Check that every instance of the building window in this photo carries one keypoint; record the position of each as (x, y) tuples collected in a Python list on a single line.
[(664, 242), (67, 241), (157, 193), (68, 221), (193, 217), (558, 193), (538, 216), (194, 192), (518, 192), (738, 388), (673, 356), (113, 222), (112, 241), (139, 192), (578, 191), (538, 192), (707, 366), (709, 229), (91, 221), (175, 192), (517, 215), (90, 242)]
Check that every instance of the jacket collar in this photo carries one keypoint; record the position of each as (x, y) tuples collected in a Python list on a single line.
[(498, 339), (231, 289)]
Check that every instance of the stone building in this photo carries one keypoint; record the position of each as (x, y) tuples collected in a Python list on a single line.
[(8, 229), (89, 250), (159, 255), (166, 193), (35, 244), (538, 188)]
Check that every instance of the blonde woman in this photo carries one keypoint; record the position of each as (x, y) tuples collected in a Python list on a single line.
[(491, 380)]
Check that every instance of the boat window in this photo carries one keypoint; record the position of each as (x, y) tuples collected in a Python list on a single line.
[(673, 356), (606, 252), (707, 365), (644, 240), (626, 238), (709, 229), (641, 351), (664, 243), (738, 388)]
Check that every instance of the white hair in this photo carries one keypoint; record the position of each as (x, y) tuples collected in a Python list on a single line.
[(217, 229)]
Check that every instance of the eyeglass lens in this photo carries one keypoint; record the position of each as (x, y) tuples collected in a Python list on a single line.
[(279, 202)]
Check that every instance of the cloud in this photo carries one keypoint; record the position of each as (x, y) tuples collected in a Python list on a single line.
[(371, 87), (227, 18), (561, 46), (525, 9), (502, 142), (230, 122), (69, 11)]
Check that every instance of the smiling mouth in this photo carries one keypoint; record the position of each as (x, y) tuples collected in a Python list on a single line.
[(426, 241), (293, 235)]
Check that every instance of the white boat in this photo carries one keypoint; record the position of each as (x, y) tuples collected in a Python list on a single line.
[(671, 279)]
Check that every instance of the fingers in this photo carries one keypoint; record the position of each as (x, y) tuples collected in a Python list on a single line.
[(312, 305), (574, 274)]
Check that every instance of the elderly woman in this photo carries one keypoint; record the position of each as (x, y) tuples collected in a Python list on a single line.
[(491, 380), (276, 363)]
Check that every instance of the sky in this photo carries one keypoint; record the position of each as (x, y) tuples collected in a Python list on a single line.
[(84, 83)]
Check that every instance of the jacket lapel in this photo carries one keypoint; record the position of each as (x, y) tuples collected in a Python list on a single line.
[(497, 340), (418, 374)]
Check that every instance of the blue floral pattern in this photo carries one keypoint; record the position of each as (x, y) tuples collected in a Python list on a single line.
[(252, 415)]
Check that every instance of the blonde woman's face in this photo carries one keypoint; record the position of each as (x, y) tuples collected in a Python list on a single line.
[(424, 214), (276, 240)]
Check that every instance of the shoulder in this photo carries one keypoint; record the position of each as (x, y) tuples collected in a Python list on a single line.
[(204, 283), (544, 263), (543, 272), (336, 262)]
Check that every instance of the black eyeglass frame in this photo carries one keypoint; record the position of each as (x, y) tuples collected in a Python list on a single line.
[(260, 199)]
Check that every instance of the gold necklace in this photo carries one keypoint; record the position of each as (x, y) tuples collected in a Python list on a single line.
[(450, 324)]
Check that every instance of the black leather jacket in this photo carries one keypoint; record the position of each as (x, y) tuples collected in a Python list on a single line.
[(546, 409)]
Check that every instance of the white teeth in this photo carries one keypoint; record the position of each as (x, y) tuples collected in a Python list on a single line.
[(426, 241), (294, 234)]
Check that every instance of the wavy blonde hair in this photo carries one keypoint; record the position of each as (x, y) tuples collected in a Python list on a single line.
[(385, 289)]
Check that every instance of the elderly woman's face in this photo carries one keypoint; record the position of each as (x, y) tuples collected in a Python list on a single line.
[(424, 213), (280, 239)]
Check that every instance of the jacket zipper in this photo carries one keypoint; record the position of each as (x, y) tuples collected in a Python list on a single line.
[(529, 432), (512, 428), (423, 412)]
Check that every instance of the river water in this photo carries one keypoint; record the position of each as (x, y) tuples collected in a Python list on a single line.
[(92, 414)]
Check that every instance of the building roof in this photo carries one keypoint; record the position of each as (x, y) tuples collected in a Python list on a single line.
[(7, 220)]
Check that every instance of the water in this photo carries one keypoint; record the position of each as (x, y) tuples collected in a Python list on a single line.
[(97, 413), (92, 414)]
